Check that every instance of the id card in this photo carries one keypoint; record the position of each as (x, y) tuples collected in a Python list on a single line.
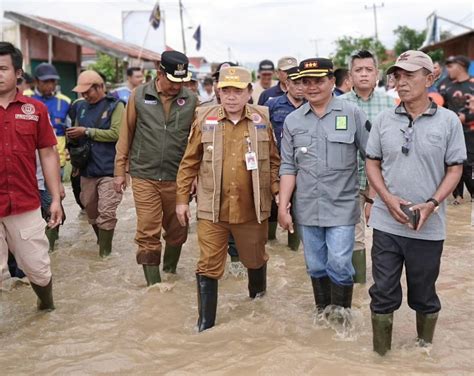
[(251, 160)]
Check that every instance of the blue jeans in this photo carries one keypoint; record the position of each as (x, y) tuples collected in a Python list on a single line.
[(328, 252)]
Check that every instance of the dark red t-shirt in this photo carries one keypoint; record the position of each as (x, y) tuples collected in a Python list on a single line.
[(24, 128)]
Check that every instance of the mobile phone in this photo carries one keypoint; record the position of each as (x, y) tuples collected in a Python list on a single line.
[(413, 215)]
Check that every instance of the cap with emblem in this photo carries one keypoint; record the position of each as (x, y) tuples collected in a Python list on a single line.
[(86, 79), (266, 66), (220, 66), (45, 71), (459, 59), (287, 62), (412, 61), (175, 65), (316, 67), (238, 77), (293, 73)]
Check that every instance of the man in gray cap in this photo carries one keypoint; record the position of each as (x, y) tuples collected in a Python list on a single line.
[(266, 70), (414, 160)]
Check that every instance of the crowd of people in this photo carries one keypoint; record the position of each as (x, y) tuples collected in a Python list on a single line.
[(321, 151)]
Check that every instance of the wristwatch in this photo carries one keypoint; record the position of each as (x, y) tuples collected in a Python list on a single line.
[(368, 200), (87, 133), (435, 203)]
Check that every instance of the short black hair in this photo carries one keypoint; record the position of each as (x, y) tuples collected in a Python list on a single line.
[(208, 81), (7, 48), (362, 54), (341, 74), (133, 69)]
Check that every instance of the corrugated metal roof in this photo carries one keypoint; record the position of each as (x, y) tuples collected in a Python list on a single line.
[(83, 36)]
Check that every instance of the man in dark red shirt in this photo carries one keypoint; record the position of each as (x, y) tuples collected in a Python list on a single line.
[(24, 128)]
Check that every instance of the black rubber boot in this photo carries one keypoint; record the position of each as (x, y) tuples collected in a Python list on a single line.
[(207, 301), (171, 258), (105, 242), (359, 264), (322, 292), (52, 234), (382, 332), (425, 327), (257, 281), (341, 295), (294, 240), (45, 296), (152, 274), (272, 229)]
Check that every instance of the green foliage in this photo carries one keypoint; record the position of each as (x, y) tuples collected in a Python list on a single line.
[(346, 46), (106, 65), (408, 39), (436, 55)]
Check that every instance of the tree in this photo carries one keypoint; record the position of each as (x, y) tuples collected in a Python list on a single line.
[(107, 65), (408, 39), (346, 46)]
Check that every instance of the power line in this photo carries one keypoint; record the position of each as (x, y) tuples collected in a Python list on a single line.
[(374, 7)]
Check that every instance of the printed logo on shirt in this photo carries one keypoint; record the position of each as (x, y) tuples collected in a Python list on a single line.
[(150, 101), (341, 123), (211, 120), (208, 128), (181, 102), (104, 115), (256, 118), (28, 109), (260, 126)]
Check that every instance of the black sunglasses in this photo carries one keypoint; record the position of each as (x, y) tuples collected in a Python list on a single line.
[(408, 136)]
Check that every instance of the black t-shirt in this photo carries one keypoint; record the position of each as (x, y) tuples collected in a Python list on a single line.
[(454, 94)]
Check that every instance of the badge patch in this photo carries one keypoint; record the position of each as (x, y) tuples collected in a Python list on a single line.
[(211, 121), (28, 109), (256, 118), (341, 123), (208, 128), (150, 101), (180, 102)]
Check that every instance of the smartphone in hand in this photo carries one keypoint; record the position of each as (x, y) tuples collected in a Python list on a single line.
[(413, 215)]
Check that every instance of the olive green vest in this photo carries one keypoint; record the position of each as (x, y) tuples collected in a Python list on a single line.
[(158, 145)]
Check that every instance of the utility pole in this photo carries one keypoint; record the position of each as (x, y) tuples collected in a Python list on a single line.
[(374, 7), (182, 25), (316, 50)]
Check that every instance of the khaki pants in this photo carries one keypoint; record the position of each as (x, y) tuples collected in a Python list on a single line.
[(155, 203), (250, 239), (100, 201), (24, 235), (359, 243)]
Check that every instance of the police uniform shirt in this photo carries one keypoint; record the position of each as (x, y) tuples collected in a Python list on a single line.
[(322, 153)]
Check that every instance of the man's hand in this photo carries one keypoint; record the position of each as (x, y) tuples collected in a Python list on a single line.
[(367, 209), (120, 184), (194, 186), (76, 132), (393, 205), (426, 209), (277, 199), (183, 213), (62, 192), (56, 214), (284, 218)]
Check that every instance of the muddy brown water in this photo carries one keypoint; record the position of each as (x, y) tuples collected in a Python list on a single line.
[(108, 322)]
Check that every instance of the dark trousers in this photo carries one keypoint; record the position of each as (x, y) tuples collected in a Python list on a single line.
[(422, 261), (466, 178), (76, 188)]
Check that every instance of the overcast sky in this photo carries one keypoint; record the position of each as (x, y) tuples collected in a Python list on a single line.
[(258, 29)]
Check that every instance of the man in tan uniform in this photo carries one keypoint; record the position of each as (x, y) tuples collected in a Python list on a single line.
[(232, 150)]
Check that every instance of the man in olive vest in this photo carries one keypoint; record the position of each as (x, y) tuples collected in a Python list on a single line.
[(232, 151), (152, 141)]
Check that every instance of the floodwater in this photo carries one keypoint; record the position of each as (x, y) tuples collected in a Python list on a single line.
[(108, 322)]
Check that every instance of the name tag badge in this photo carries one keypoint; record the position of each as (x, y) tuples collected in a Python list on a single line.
[(251, 160), (341, 123)]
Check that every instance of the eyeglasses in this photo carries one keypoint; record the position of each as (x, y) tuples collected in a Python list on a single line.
[(408, 136)]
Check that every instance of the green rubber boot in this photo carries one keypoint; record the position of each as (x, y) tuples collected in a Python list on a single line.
[(272, 229), (425, 327), (45, 296), (382, 332), (171, 258), (152, 274), (52, 234), (105, 242), (359, 263), (294, 240), (96, 230)]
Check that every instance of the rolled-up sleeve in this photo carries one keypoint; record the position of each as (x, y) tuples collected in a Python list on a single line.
[(287, 166)]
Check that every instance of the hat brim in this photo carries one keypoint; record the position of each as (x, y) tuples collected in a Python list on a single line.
[(179, 79), (286, 67), (48, 77), (405, 66), (82, 88), (238, 85), (269, 71), (314, 74)]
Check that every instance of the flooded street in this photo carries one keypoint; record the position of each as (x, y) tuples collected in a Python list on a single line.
[(108, 322)]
